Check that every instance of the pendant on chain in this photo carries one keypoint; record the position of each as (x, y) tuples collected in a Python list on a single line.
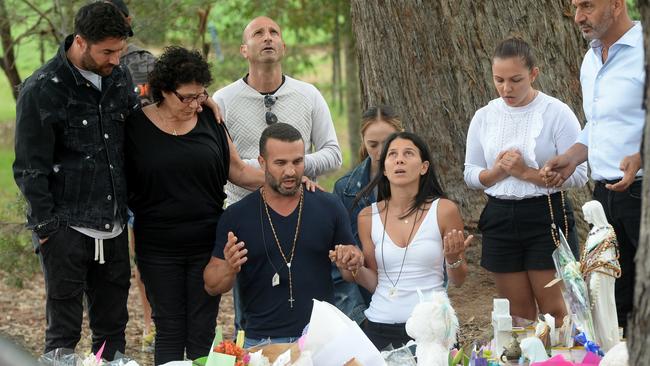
[(275, 280)]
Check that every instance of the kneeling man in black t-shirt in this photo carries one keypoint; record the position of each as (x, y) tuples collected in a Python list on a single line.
[(276, 242)]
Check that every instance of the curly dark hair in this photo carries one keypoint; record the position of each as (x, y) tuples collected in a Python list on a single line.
[(97, 21), (175, 67)]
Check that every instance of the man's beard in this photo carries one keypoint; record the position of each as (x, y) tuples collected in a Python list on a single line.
[(276, 185), (597, 31), (88, 63)]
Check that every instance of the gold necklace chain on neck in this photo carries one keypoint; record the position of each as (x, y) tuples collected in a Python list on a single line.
[(166, 122), (295, 239)]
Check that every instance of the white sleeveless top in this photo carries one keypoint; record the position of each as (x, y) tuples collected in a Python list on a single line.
[(423, 269)]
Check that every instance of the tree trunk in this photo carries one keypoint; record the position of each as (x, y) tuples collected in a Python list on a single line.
[(8, 58), (639, 342), (352, 95), (336, 57), (431, 60)]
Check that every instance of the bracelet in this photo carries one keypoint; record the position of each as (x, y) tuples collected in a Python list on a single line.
[(456, 264)]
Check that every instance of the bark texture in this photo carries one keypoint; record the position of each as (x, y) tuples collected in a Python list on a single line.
[(639, 342), (352, 93), (431, 60)]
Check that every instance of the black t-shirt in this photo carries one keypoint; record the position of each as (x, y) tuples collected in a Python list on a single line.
[(175, 183), (324, 224)]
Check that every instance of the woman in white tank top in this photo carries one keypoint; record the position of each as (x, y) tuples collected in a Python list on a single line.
[(402, 238)]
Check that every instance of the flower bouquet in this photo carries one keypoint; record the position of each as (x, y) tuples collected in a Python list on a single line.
[(230, 348), (575, 292)]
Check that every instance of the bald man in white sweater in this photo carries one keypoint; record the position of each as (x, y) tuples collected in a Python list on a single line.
[(266, 96)]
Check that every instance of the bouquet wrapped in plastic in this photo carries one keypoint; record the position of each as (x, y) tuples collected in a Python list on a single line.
[(67, 357), (575, 291)]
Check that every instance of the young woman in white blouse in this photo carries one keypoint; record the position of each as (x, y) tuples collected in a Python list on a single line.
[(402, 239), (508, 141)]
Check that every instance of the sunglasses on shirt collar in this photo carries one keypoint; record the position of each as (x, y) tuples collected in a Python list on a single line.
[(269, 101)]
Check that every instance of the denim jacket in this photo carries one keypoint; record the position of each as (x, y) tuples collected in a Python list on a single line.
[(351, 299), (347, 187), (69, 146)]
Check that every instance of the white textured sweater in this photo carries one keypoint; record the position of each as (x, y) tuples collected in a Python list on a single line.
[(299, 104)]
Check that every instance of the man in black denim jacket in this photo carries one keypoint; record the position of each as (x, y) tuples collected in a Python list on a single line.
[(69, 166)]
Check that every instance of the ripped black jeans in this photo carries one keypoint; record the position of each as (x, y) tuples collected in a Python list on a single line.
[(70, 271)]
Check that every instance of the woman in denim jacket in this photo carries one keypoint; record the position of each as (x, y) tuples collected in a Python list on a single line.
[(376, 125)]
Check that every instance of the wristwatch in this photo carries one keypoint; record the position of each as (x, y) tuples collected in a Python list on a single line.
[(456, 264)]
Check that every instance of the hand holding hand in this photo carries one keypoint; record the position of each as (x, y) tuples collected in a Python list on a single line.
[(557, 170), (630, 165), (454, 245), (347, 257), (234, 253)]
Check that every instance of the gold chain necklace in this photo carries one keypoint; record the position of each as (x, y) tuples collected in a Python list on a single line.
[(276, 277), (554, 233), (166, 122)]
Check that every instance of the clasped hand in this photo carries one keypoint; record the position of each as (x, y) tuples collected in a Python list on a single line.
[(512, 163), (347, 257)]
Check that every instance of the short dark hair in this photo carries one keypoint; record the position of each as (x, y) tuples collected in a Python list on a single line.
[(120, 5), (279, 131), (515, 47), (98, 21), (175, 67)]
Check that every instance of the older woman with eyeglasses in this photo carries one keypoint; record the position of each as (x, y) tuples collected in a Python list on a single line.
[(178, 158)]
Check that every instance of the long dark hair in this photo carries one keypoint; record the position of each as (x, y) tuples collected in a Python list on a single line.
[(429, 189)]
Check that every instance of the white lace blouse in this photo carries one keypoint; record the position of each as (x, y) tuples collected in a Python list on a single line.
[(540, 130)]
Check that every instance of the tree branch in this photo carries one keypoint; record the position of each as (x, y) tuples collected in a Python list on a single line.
[(43, 16)]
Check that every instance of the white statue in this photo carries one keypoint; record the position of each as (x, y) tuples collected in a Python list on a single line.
[(600, 268), (533, 349)]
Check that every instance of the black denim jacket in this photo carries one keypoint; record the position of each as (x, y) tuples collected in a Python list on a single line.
[(69, 146)]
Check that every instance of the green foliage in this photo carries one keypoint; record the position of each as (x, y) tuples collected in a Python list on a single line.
[(17, 258), (633, 9), (8, 188), (306, 28), (8, 108)]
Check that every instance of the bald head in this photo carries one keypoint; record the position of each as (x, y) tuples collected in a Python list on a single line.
[(262, 43), (257, 24)]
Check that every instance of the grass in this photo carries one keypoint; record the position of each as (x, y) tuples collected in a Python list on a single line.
[(7, 108), (8, 189)]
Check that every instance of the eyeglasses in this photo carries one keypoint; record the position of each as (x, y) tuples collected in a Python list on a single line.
[(269, 101), (189, 99)]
